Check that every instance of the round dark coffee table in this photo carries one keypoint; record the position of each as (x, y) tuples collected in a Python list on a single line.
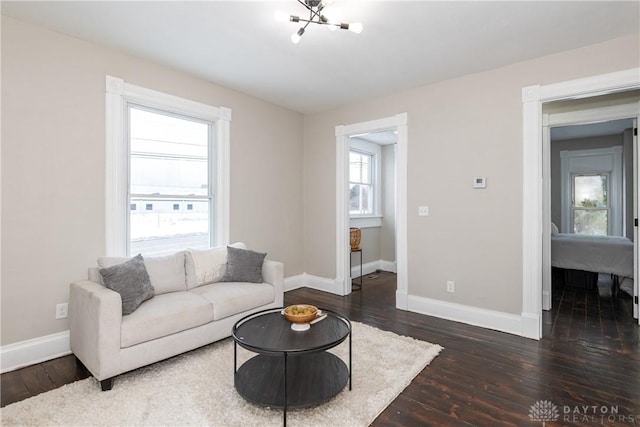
[(291, 369)]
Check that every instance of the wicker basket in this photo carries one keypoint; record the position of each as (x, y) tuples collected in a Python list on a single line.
[(354, 238)]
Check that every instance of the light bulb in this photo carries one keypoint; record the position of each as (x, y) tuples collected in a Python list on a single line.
[(355, 27), (281, 16), (295, 37)]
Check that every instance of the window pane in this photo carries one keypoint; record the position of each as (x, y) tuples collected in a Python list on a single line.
[(360, 200), (590, 191), (163, 229), (169, 155), (360, 167), (168, 176), (590, 221)]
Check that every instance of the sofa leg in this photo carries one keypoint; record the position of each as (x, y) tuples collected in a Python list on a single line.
[(107, 384)]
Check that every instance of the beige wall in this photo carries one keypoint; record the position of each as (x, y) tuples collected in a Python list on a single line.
[(457, 130), (53, 168)]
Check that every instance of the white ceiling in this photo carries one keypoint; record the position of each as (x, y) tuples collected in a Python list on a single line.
[(406, 44)]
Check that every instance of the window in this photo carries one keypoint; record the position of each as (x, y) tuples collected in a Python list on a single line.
[(361, 189), (365, 169), (590, 204), (591, 191), (163, 151), (168, 161)]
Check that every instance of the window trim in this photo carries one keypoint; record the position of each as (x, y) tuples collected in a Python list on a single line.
[(573, 162), (118, 94)]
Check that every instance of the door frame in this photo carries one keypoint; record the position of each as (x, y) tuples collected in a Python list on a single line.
[(533, 97), (343, 252)]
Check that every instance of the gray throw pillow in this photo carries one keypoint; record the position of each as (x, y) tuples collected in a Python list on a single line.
[(131, 280), (243, 265)]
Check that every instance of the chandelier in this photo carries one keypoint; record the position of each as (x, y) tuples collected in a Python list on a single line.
[(315, 8)]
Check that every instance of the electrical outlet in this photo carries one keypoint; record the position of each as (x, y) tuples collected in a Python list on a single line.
[(423, 210), (62, 310), (451, 286)]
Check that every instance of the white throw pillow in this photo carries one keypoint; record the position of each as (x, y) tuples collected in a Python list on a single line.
[(166, 273), (554, 229), (205, 266)]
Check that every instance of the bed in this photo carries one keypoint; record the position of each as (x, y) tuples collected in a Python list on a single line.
[(598, 254)]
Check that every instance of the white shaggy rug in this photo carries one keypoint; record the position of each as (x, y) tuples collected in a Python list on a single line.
[(197, 389)]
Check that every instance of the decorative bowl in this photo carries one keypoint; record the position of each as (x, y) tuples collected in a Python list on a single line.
[(300, 313)]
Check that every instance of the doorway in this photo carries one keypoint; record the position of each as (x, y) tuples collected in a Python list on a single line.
[(397, 125), (535, 224), (590, 208)]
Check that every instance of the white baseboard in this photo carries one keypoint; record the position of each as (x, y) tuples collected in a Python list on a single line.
[(294, 282), (531, 326), (24, 353), (310, 281), (391, 266), (490, 319), (372, 267)]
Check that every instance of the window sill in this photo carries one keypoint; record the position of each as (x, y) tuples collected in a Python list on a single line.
[(365, 222)]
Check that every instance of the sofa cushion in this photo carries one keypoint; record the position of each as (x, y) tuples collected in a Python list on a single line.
[(205, 266), (164, 315), (131, 280), (243, 266), (165, 272), (229, 298)]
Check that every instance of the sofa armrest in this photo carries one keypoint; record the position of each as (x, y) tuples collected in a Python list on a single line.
[(273, 273), (95, 317)]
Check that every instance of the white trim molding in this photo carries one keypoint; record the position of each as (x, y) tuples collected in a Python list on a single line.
[(533, 98), (25, 353), (596, 160), (372, 267), (496, 320), (305, 280)]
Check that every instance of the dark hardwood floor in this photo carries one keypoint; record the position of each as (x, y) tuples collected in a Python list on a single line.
[(588, 363)]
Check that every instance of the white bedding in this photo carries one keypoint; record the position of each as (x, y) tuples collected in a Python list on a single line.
[(599, 254)]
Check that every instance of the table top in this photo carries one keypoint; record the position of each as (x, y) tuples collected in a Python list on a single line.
[(268, 332)]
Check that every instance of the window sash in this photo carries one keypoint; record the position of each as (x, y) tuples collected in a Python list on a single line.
[(173, 231), (575, 207), (361, 174)]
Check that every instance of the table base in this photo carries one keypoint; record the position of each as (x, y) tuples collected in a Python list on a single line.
[(312, 379)]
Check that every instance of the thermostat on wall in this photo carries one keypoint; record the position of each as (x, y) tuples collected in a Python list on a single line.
[(479, 182)]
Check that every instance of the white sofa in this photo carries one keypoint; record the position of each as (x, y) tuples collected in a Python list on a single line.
[(183, 314)]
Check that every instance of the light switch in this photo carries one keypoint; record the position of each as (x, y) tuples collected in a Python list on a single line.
[(423, 210)]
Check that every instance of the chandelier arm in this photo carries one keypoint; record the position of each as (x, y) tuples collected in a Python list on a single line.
[(318, 22), (304, 4)]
